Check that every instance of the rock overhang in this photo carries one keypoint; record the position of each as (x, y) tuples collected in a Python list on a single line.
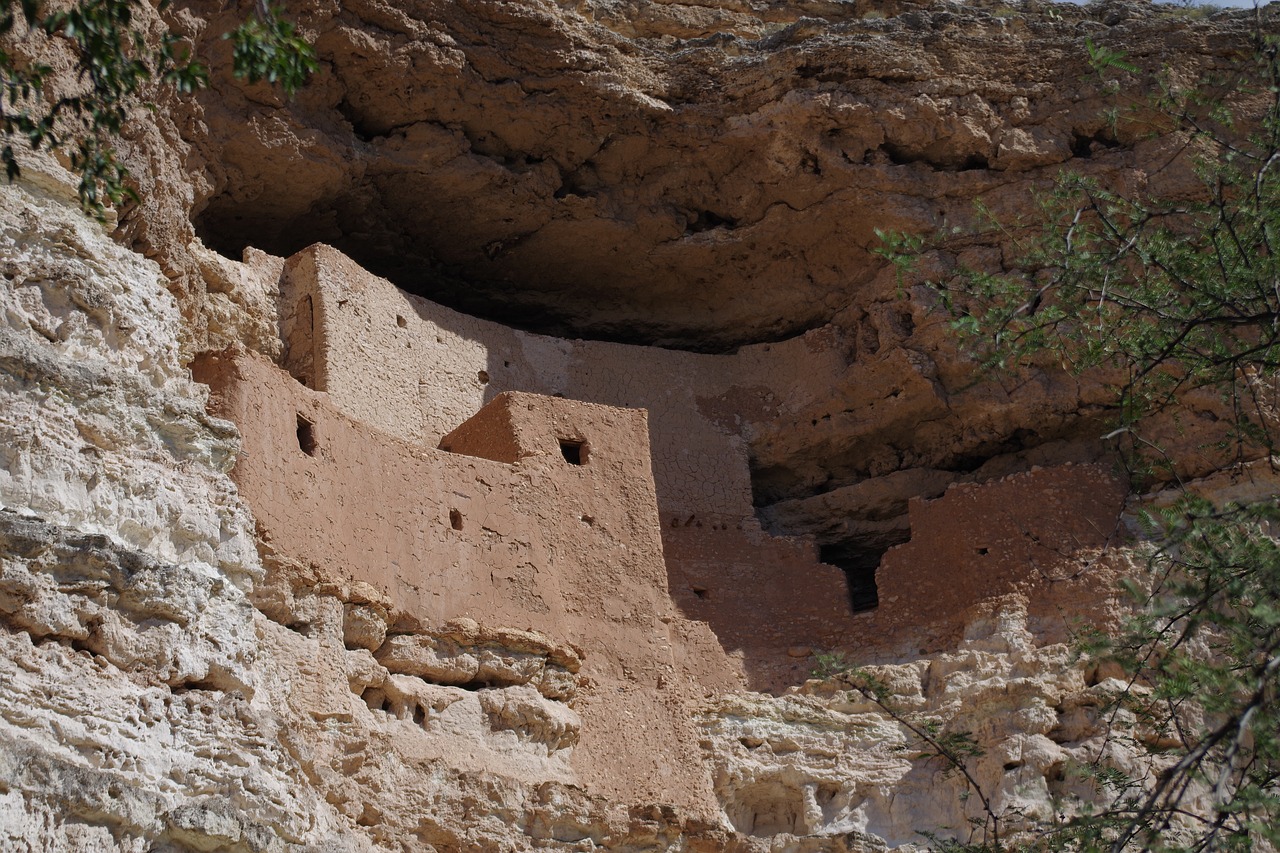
[(703, 193)]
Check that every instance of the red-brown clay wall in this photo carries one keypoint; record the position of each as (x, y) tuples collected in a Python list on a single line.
[(1040, 534), (1037, 535), (418, 371), (764, 595), (572, 551)]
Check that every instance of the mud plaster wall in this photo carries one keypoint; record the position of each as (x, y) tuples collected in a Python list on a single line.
[(418, 370), (1042, 533), (571, 551)]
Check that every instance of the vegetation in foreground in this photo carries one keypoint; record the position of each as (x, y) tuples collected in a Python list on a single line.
[(1167, 297), (118, 66)]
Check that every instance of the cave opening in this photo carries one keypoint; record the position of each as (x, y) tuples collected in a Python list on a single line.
[(478, 272)]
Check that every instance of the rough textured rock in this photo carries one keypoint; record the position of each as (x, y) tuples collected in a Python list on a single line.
[(826, 760), (701, 175), (126, 562), (188, 667), (617, 170)]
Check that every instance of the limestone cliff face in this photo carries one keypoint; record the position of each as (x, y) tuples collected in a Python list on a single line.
[(385, 590)]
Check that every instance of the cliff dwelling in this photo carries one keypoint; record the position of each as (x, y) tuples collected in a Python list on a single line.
[(515, 439), (411, 374), (468, 471)]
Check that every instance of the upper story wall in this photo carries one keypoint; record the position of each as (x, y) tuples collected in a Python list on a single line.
[(417, 370)]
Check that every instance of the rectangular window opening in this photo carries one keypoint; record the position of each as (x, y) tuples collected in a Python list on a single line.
[(574, 452), (306, 436), (859, 565)]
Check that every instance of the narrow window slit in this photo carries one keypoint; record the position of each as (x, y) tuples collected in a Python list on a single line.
[(306, 436)]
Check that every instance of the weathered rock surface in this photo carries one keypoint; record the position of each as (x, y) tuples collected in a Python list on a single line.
[(130, 645), (828, 760), (704, 176), (698, 175)]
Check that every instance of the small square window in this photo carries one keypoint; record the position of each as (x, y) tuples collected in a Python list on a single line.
[(574, 452)]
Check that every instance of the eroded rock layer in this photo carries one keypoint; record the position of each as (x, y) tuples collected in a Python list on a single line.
[(692, 175)]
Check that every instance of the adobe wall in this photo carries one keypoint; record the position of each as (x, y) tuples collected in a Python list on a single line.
[(418, 371), (1042, 534), (570, 551)]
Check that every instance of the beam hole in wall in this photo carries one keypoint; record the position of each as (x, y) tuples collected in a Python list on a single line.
[(483, 376), (306, 436), (455, 519), (401, 321), (859, 565), (574, 452), (701, 592)]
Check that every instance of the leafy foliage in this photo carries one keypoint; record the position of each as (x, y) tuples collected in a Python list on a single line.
[(1166, 296), (267, 47), (115, 63), (1207, 643)]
